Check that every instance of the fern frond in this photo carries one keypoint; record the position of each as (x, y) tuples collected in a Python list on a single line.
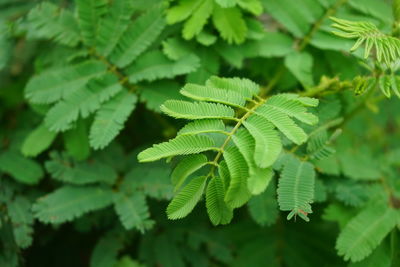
[(53, 85), (238, 193), (268, 144), (19, 211), (154, 65), (185, 201), (68, 203), (138, 37), (113, 26), (186, 167), (132, 211), (110, 119), (83, 101), (366, 231), (387, 48), (181, 145), (296, 188), (217, 209), (204, 93), (46, 20), (89, 14), (197, 110), (203, 126)]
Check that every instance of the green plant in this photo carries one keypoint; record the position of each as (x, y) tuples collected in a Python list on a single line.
[(280, 146)]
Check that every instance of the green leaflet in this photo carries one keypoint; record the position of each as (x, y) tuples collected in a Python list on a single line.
[(217, 209), (186, 167), (20, 168), (196, 22), (203, 126), (77, 142), (132, 211), (366, 231), (196, 110), (138, 37), (230, 24), (89, 13), (111, 28), (301, 64), (204, 93), (263, 208), (70, 202), (64, 169), (296, 188), (46, 21), (244, 87), (105, 252), (153, 65), (37, 141), (19, 211), (110, 119), (268, 144), (237, 193), (53, 85), (259, 178), (82, 102), (185, 201), (181, 145)]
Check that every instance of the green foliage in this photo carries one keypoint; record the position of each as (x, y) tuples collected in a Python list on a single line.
[(258, 111)]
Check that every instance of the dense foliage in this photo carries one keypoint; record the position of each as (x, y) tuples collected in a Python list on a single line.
[(200, 133)]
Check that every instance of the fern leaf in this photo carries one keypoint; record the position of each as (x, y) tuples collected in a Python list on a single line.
[(230, 23), (110, 119), (68, 203), (53, 85), (217, 209), (296, 188), (263, 208), (259, 178), (194, 25), (37, 141), (203, 126), (83, 101), (197, 110), (366, 231), (24, 170), (268, 144), (181, 145), (154, 65), (132, 211), (237, 193), (138, 37), (204, 93), (186, 167), (244, 87), (113, 26), (47, 21), (185, 201)]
